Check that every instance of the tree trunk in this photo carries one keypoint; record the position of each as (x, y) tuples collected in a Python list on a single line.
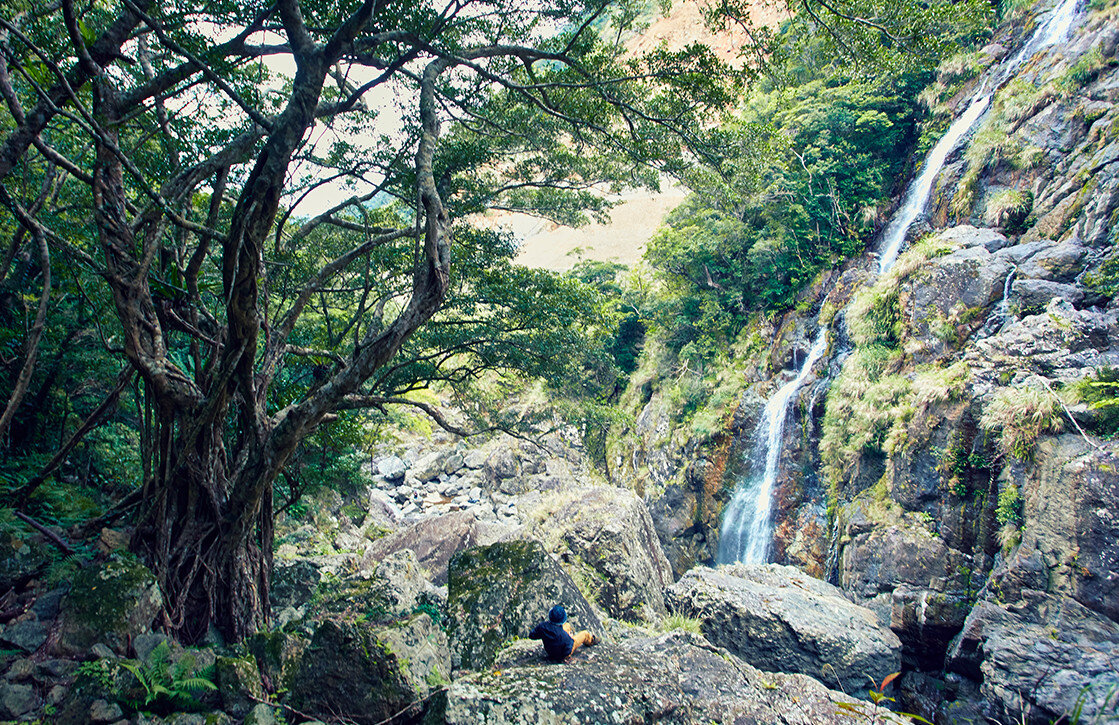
[(213, 562)]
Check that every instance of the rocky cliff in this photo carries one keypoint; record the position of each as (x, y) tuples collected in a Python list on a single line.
[(949, 464)]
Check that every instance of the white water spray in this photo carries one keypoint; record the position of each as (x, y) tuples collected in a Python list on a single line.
[(1057, 26), (748, 521), (1004, 303)]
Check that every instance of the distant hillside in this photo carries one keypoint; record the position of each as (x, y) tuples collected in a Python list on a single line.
[(634, 221), (623, 239)]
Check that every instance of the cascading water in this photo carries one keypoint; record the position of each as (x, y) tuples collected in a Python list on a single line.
[(746, 530), (1053, 30), (747, 523), (1004, 303), (1057, 26), (917, 196)]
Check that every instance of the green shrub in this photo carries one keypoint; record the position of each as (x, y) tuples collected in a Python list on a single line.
[(1082, 72), (863, 406), (1104, 279), (1008, 514), (875, 316), (686, 624), (1101, 392), (1009, 509), (166, 687), (961, 67), (933, 385)]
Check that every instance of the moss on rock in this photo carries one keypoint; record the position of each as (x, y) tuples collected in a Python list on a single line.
[(110, 604)]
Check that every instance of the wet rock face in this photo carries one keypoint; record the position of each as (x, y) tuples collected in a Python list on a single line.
[(778, 619), (673, 678), (501, 591), (1060, 343), (368, 673), (607, 535), (1039, 657), (686, 517), (1070, 534)]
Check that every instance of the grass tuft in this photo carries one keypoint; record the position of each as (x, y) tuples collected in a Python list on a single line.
[(1019, 415)]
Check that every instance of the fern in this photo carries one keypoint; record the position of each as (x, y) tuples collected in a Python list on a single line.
[(167, 688)]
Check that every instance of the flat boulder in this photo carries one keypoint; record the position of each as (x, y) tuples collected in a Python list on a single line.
[(435, 540), (498, 592), (1032, 296), (428, 467), (781, 620), (670, 678)]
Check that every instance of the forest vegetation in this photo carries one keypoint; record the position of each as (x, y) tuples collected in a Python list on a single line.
[(185, 350)]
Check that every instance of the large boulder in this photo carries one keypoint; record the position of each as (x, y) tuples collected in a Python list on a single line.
[(954, 290), (429, 466), (1040, 659), (435, 540), (108, 604), (239, 684), (605, 537), (405, 583), (314, 588), (367, 673), (1031, 296), (277, 657), (26, 552), (1060, 263), (912, 580), (782, 620), (672, 678), (17, 700), (392, 468), (501, 591)]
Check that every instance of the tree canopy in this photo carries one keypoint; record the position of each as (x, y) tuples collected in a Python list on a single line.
[(158, 163), (802, 177)]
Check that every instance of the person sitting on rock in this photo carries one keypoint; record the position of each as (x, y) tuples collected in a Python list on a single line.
[(559, 638)]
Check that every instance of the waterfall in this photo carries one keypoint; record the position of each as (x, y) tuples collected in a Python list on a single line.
[(747, 527), (917, 196), (748, 521), (1004, 303), (1057, 26), (1053, 30)]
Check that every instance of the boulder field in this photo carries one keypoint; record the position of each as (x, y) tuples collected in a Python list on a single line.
[(378, 633)]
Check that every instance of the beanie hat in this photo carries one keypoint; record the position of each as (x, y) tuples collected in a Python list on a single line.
[(557, 615)]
